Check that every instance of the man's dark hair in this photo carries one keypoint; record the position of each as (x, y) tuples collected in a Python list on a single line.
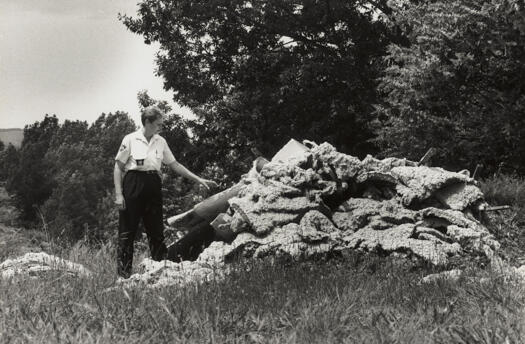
[(151, 114)]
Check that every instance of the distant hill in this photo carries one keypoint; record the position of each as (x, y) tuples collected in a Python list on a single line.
[(13, 136)]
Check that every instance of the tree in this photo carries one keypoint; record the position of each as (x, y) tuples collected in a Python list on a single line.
[(31, 182), (80, 175), (40, 132), (65, 172), (68, 133), (2, 145), (9, 159), (82, 160), (458, 84), (108, 131), (258, 73)]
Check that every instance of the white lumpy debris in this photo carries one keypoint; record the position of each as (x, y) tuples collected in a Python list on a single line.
[(36, 264)]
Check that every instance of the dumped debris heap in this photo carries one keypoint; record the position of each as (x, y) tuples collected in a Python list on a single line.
[(316, 201)]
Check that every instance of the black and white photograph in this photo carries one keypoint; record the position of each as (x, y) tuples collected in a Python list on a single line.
[(262, 171)]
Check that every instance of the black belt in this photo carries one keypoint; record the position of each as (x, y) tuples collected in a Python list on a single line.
[(145, 172)]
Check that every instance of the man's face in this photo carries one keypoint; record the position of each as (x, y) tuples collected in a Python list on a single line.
[(156, 126)]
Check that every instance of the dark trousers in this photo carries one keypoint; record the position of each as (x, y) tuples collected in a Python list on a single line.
[(143, 197)]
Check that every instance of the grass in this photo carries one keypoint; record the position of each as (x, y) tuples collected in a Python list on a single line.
[(508, 226), (504, 189), (355, 299), (351, 299)]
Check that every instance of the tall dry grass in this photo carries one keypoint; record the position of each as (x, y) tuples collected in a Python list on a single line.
[(351, 299), (356, 299), (508, 226)]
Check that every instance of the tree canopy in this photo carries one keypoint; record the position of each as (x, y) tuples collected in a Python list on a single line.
[(258, 73), (458, 85), (31, 180)]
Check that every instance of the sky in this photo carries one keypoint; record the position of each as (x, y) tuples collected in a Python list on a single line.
[(72, 58)]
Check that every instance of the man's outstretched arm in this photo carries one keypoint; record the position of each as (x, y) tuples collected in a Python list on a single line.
[(183, 171)]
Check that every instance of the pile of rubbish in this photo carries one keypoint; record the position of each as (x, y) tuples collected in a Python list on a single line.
[(311, 200)]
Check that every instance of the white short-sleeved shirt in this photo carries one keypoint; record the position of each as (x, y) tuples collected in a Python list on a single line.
[(139, 154)]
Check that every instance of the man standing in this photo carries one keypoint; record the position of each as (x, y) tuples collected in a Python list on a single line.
[(138, 187)]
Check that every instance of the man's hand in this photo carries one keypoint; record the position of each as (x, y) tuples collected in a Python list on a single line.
[(208, 184), (119, 201)]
